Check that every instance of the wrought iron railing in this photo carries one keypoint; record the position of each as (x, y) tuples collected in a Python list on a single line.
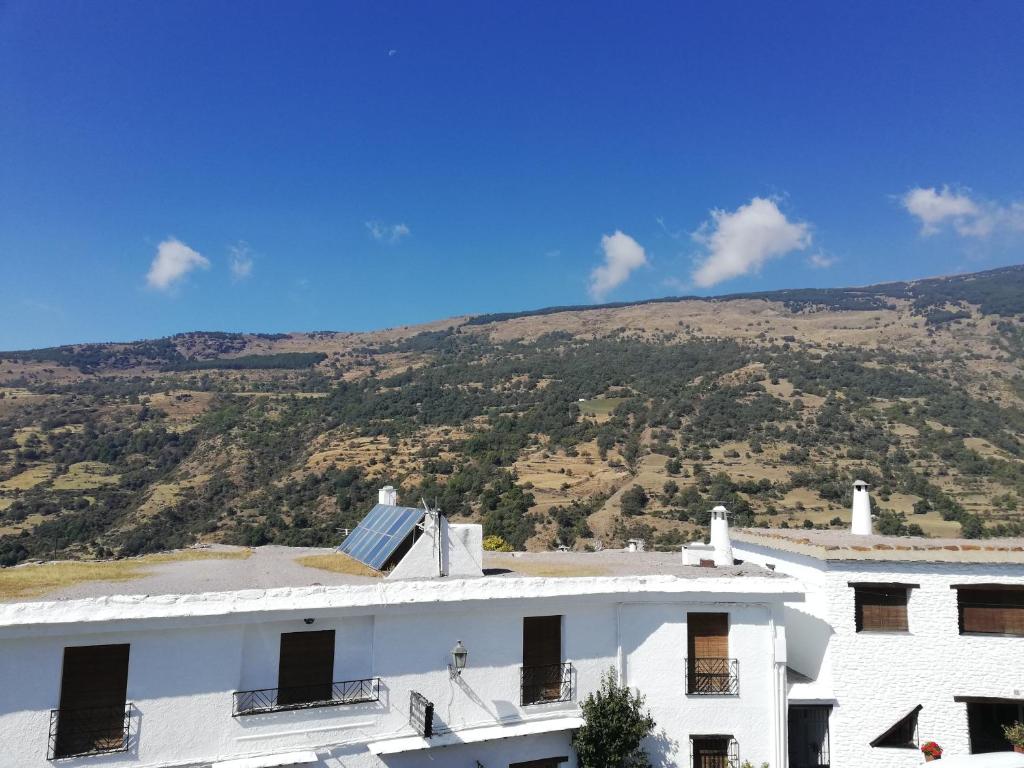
[(88, 731), (306, 696), (545, 684), (712, 677)]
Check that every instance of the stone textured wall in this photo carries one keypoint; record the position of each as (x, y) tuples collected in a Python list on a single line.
[(876, 678), (879, 677)]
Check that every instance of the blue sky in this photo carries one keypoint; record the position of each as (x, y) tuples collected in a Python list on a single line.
[(351, 165)]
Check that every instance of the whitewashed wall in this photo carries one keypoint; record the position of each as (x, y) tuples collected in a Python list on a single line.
[(655, 644), (877, 678), (182, 672)]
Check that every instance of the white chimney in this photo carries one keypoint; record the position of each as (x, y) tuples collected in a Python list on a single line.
[(720, 541), (861, 524), (387, 495)]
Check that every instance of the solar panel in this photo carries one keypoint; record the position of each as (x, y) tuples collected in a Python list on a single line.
[(380, 533)]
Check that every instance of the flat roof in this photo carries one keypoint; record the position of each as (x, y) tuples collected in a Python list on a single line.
[(274, 578), (843, 545)]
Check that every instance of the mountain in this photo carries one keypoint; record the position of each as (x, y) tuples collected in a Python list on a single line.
[(561, 425)]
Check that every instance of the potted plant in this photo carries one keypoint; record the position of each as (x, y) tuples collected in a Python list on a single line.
[(932, 751), (1015, 735)]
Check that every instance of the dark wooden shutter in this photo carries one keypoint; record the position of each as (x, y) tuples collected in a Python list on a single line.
[(881, 608), (708, 635), (94, 683), (542, 658), (991, 610), (542, 641), (306, 670)]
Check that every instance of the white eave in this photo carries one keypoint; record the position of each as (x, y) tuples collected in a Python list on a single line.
[(753, 589), (476, 734), (270, 761)]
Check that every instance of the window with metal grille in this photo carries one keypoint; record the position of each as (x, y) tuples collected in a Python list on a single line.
[(808, 736), (903, 734), (93, 716), (881, 607), (991, 609), (306, 668), (544, 677), (714, 752), (709, 670)]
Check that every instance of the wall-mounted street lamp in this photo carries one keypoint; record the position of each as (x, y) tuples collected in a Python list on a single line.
[(459, 656)]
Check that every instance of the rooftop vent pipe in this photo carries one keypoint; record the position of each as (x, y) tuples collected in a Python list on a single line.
[(861, 516)]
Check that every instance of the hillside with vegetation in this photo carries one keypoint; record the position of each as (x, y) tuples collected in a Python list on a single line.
[(562, 426)]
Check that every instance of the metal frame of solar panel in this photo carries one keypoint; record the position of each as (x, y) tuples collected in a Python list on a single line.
[(380, 533)]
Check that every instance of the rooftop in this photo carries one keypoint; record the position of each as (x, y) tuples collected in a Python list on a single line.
[(229, 569), (235, 580), (843, 545)]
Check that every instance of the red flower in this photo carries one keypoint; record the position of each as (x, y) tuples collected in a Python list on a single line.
[(931, 749)]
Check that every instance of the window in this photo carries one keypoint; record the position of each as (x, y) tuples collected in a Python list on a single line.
[(991, 609), (544, 677), (547, 762), (93, 714), (709, 670), (985, 720), (714, 752), (306, 668), (808, 736), (902, 735), (881, 607)]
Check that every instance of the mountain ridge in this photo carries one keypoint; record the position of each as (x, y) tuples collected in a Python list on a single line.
[(556, 426)]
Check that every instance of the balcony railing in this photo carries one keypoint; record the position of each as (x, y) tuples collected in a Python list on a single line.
[(88, 731), (545, 684), (306, 696), (712, 677)]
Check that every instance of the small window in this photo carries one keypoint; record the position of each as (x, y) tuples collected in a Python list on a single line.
[(991, 609), (714, 752), (881, 607), (547, 762), (306, 669), (903, 734)]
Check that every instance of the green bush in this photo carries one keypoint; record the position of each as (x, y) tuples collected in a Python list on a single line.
[(616, 722)]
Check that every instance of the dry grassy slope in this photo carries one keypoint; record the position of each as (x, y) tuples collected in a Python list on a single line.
[(553, 477)]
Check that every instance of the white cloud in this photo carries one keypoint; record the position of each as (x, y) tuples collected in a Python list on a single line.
[(966, 214), (173, 261), (740, 242), (820, 260), (241, 260), (933, 207), (387, 233), (622, 255)]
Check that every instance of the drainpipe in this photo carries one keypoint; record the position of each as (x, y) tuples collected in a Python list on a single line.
[(779, 697), (620, 654)]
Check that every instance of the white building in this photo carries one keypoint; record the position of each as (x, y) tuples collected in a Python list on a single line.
[(899, 641), (273, 669)]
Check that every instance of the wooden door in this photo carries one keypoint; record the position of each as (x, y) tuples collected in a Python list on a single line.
[(306, 670), (542, 658), (94, 683)]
